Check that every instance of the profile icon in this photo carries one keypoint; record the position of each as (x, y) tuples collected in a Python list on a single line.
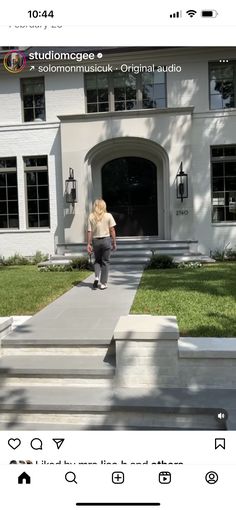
[(14, 61)]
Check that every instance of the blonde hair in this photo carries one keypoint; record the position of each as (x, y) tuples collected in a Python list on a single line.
[(99, 209)]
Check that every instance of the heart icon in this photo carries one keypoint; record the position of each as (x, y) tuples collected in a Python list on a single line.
[(14, 443)]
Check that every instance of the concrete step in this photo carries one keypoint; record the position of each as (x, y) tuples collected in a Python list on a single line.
[(153, 239), (5, 326), (116, 258), (133, 257), (143, 241), (68, 256), (56, 351), (119, 260), (129, 257), (16, 339), (59, 262), (135, 244), (148, 250), (64, 370), (204, 259), (112, 420), (77, 381), (56, 366), (88, 408), (133, 248), (126, 253)]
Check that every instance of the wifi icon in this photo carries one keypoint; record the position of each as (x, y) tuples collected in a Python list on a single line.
[(191, 13)]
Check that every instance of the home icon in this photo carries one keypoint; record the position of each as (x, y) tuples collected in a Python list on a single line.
[(24, 478)]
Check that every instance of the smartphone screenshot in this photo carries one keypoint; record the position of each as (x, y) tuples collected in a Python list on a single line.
[(117, 256)]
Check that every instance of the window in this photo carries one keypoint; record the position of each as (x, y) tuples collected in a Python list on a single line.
[(5, 48), (97, 93), (223, 162), (36, 171), (33, 97), (154, 90), (222, 85), (125, 91), (9, 215)]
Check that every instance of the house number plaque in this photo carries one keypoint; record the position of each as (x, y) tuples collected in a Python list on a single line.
[(182, 212)]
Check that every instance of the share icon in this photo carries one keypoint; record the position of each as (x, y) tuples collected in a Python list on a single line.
[(59, 442)]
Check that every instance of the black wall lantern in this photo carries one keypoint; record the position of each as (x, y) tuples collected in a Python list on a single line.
[(71, 188), (181, 184)]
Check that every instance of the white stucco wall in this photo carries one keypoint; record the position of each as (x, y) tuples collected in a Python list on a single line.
[(24, 141), (209, 129), (171, 131), (64, 95), (184, 137)]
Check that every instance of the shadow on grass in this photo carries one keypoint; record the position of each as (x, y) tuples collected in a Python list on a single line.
[(203, 299), (223, 324), (217, 280)]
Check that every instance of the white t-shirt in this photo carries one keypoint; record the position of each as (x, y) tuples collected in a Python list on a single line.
[(102, 228)]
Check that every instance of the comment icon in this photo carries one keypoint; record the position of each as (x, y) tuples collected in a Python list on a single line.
[(36, 444)]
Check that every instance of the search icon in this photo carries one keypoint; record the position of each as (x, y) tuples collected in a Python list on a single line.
[(70, 476)]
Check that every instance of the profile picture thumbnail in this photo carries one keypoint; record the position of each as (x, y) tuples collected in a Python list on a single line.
[(14, 61)]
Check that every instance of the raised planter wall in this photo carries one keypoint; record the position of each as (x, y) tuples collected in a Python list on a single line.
[(150, 353), (5, 326)]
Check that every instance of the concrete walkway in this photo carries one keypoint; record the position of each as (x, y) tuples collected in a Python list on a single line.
[(83, 313), (76, 388)]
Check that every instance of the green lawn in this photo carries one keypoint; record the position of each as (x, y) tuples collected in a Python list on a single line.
[(203, 299), (25, 290)]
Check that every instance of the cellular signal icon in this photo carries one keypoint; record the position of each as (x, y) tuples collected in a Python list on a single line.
[(191, 13), (177, 14)]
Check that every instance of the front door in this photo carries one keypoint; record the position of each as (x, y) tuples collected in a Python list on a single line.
[(129, 188)]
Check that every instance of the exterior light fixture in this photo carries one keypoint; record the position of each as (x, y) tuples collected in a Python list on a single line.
[(181, 184), (71, 188)]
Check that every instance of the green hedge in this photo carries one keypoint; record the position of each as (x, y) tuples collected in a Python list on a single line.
[(161, 262)]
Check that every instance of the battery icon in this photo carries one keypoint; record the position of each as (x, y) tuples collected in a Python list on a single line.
[(209, 14)]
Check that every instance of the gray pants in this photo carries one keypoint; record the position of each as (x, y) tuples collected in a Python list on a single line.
[(102, 252)]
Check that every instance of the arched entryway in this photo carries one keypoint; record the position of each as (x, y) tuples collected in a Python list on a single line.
[(139, 170), (129, 187)]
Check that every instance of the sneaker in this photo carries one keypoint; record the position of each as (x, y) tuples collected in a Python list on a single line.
[(103, 286), (95, 284)]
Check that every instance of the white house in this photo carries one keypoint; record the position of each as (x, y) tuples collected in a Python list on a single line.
[(126, 134)]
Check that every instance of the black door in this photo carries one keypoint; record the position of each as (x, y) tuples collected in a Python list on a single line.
[(129, 187)]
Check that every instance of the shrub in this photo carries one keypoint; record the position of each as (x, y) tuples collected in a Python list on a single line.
[(54, 268), (161, 262), (231, 254), (39, 257), (225, 254), (79, 263), (16, 260), (189, 265), (218, 255), (82, 262), (222, 255), (20, 260)]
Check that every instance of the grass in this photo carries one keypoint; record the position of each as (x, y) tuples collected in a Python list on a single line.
[(203, 299), (24, 290)]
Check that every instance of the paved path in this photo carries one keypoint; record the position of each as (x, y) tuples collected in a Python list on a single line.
[(83, 313), (79, 317)]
